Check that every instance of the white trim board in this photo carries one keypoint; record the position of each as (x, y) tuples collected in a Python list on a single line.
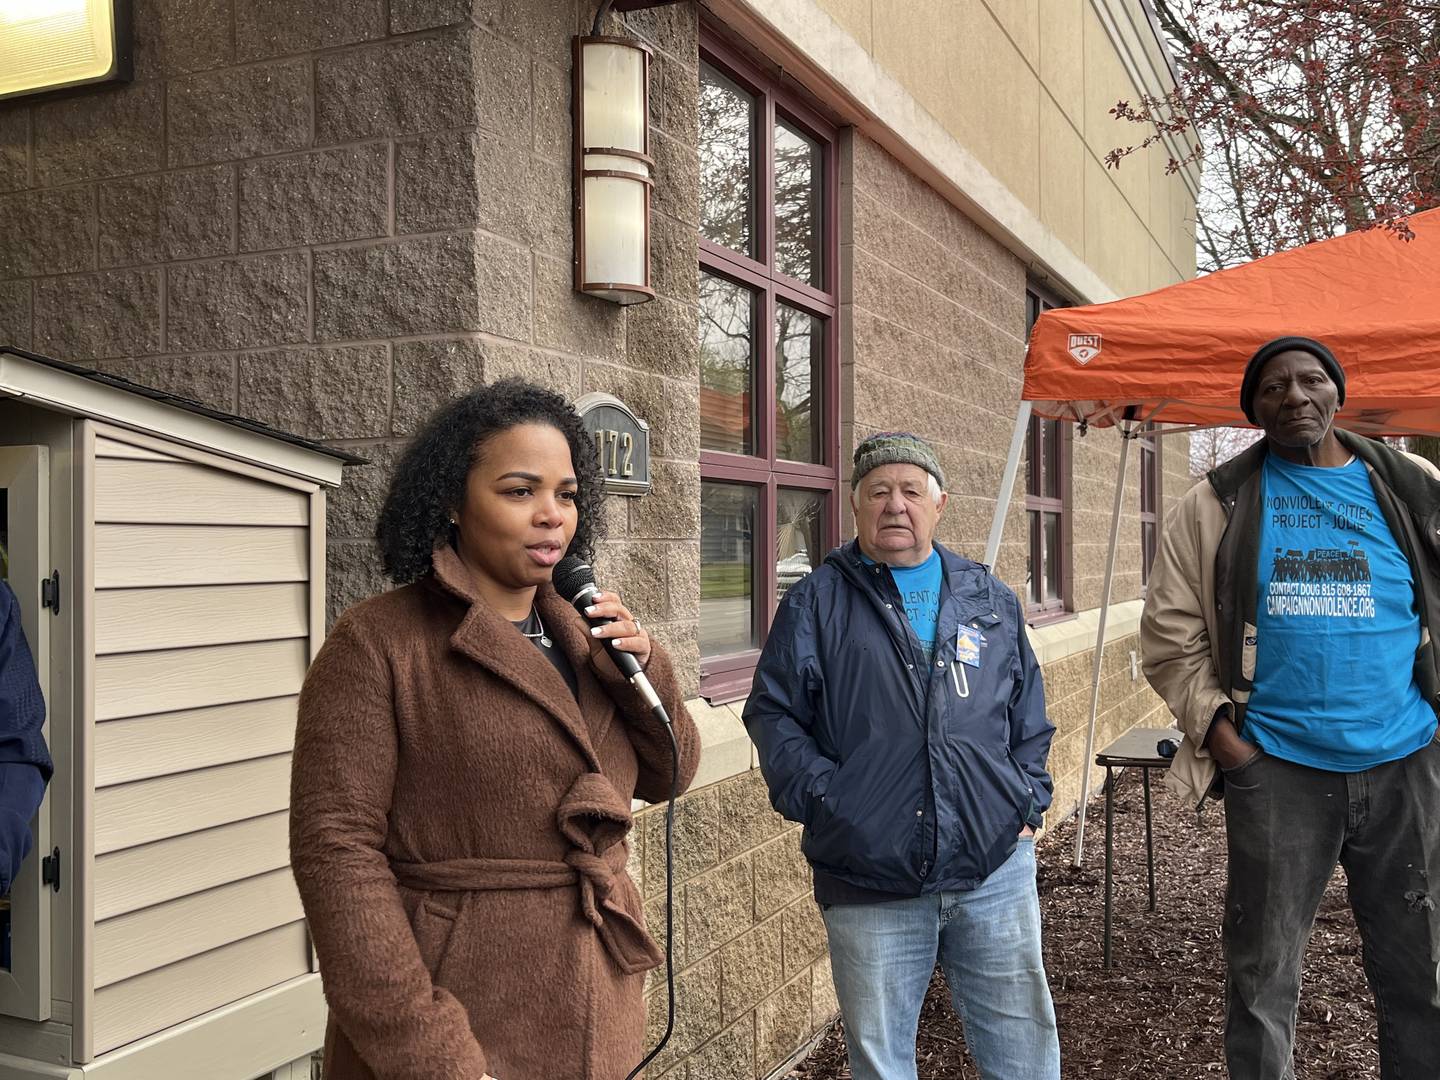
[(75, 395), (237, 1042), (1077, 635)]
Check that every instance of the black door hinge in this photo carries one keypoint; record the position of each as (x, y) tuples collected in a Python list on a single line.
[(50, 592), (50, 870)]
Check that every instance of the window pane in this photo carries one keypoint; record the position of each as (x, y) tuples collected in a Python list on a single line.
[(799, 535), (799, 359), (727, 559), (1147, 549), (1032, 458), (1032, 568), (727, 350), (1149, 478), (727, 180), (1052, 557), (1050, 436), (797, 205)]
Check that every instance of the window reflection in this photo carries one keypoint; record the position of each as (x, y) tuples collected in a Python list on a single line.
[(727, 367), (727, 179), (799, 339), (799, 536), (727, 559), (797, 205)]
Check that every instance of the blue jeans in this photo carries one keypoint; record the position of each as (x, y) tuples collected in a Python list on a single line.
[(988, 942)]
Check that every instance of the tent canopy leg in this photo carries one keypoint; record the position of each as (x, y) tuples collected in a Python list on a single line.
[(1007, 484), (1088, 762)]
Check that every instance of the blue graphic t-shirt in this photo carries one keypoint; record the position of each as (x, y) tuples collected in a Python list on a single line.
[(920, 588), (1336, 625)]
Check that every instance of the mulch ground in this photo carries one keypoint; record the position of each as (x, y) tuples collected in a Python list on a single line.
[(1158, 1012)]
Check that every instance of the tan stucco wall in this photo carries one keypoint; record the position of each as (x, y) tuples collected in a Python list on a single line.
[(1025, 86)]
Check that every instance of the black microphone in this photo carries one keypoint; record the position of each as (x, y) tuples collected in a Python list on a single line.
[(574, 579)]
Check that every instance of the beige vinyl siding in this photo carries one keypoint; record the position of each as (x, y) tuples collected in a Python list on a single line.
[(137, 684), (193, 495), (133, 620), (145, 746), (142, 941), (133, 556), (129, 1010), (150, 874), (147, 810), (204, 625)]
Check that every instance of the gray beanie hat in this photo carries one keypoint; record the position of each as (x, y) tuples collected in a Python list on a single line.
[(895, 448)]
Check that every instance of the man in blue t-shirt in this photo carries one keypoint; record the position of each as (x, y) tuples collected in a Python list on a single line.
[(899, 714), (1288, 625)]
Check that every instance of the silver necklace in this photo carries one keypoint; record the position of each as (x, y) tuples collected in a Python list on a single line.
[(544, 637)]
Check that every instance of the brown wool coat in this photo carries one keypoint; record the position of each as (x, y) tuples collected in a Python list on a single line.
[(457, 834)]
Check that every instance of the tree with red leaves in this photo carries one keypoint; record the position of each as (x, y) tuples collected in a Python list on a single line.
[(1315, 117)]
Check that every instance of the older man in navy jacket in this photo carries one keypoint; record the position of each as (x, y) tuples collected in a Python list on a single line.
[(24, 760), (899, 715)]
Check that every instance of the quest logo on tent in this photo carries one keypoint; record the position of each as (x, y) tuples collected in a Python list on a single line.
[(1084, 347)]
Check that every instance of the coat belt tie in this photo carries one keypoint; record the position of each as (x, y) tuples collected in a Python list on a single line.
[(593, 818)]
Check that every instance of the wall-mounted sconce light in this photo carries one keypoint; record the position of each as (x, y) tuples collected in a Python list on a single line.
[(613, 167), (50, 44)]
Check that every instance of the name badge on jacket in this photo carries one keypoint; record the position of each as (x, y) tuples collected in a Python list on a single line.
[(967, 646)]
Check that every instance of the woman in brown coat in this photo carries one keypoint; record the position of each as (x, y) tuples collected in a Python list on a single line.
[(464, 766)]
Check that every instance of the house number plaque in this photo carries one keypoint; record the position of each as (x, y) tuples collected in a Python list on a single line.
[(622, 443)]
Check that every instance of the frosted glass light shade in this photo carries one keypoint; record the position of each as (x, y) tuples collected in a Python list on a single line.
[(615, 236), (614, 169), (47, 44), (614, 95)]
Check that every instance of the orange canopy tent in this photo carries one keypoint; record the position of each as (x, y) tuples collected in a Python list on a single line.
[(1177, 355)]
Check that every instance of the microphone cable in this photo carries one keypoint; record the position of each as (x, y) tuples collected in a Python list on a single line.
[(659, 712)]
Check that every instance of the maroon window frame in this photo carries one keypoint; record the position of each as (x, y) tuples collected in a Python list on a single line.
[(1049, 581), (728, 677)]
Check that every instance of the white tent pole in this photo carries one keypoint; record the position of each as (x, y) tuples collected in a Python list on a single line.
[(1007, 484), (1089, 760)]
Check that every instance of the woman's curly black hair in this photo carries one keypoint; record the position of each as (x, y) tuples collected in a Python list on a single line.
[(429, 479)]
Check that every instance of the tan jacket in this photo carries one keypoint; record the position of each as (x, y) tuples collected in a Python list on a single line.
[(1176, 631), (458, 830), (1180, 631)]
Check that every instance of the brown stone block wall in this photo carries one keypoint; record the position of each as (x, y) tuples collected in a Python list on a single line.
[(336, 215), (936, 316), (752, 972)]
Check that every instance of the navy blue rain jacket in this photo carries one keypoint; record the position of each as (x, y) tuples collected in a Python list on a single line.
[(909, 778), (24, 760)]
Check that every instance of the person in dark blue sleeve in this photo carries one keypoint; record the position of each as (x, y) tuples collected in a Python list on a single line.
[(899, 714), (25, 766)]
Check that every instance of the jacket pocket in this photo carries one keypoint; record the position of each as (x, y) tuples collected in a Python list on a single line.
[(434, 928), (1025, 800), (1255, 755)]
